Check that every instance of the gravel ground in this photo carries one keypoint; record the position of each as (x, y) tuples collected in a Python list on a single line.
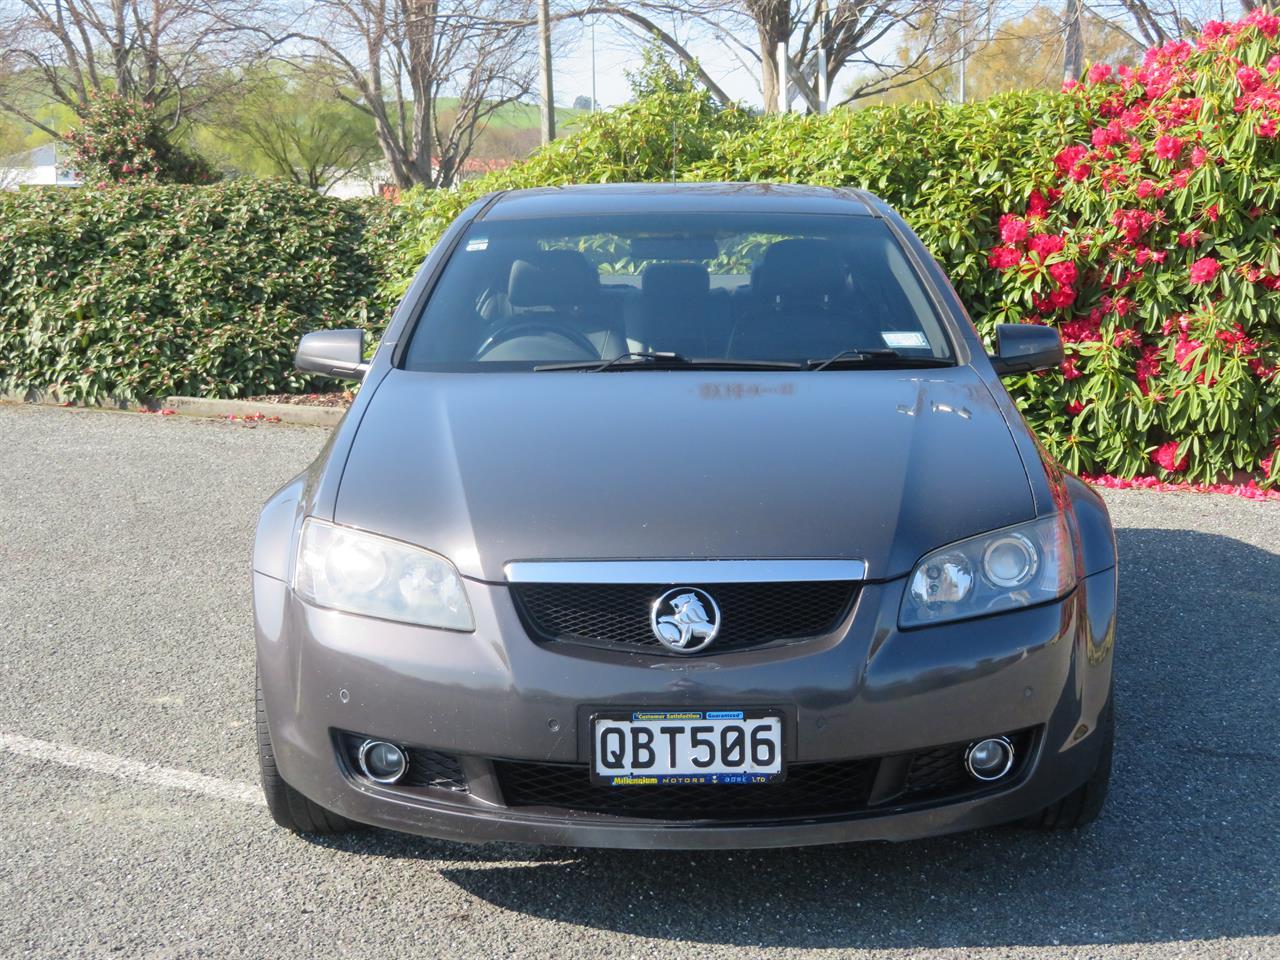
[(124, 629)]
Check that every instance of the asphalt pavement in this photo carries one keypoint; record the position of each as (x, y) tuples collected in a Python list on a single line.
[(131, 825)]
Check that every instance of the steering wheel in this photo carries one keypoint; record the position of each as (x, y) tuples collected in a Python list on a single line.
[(532, 328)]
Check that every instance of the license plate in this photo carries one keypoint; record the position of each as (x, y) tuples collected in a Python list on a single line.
[(653, 747)]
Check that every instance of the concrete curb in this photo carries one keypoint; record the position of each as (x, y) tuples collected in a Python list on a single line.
[(51, 398), (300, 413), (304, 414)]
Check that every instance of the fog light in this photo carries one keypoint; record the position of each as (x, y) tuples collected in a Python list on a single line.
[(989, 759), (381, 761)]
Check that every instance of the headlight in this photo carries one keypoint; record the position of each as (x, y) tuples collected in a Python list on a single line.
[(358, 572), (1014, 567)]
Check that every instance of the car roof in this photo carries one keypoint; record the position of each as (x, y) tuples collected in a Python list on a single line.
[(595, 198)]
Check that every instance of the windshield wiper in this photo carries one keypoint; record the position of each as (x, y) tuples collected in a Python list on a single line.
[(876, 358), (663, 360)]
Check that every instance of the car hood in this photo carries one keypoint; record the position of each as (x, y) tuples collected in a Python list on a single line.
[(488, 468)]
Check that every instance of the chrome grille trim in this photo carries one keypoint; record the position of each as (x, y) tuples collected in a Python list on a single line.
[(683, 571)]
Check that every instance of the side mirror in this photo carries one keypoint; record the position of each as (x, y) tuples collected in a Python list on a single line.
[(333, 353), (1024, 347)]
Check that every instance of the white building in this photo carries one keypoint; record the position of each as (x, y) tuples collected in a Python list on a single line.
[(375, 180), (362, 183), (48, 166)]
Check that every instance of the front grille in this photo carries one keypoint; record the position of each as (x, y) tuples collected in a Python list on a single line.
[(432, 768), (833, 788), (810, 789), (935, 772), (617, 615)]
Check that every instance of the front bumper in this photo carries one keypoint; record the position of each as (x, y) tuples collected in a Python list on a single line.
[(869, 690)]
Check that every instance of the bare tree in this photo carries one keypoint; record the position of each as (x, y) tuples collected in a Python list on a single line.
[(431, 73), (644, 18), (856, 36), (1149, 23), (175, 54)]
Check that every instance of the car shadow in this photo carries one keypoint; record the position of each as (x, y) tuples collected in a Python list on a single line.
[(1187, 849)]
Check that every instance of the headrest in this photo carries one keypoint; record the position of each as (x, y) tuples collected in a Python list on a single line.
[(800, 271), (552, 278), (675, 281)]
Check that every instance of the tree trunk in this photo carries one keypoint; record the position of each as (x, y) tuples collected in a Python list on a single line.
[(769, 71), (1073, 41), (546, 95), (420, 33)]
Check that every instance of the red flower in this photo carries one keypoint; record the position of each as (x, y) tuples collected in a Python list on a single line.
[(1211, 31), (1062, 297), (1186, 352), (1075, 407), (1204, 270), (1045, 244), (1064, 273), (1199, 155), (1127, 337), (1082, 330), (1148, 366), (1268, 128), (1248, 78), (1069, 370), (1268, 24), (1002, 258), (1134, 223), (1190, 238), (1166, 456), (1012, 230), (1211, 212), (1146, 188), (1239, 340), (1099, 72), (1068, 157), (1168, 147), (1038, 204)]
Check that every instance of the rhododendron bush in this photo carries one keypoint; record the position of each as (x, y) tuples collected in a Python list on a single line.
[(1152, 245)]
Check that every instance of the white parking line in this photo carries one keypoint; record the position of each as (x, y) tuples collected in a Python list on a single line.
[(133, 770)]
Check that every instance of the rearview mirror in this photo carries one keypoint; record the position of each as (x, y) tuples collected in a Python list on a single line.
[(333, 353), (1024, 347)]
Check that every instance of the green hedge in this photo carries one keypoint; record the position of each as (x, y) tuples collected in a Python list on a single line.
[(149, 291), (1160, 266)]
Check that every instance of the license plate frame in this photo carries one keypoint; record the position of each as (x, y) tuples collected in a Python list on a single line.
[(718, 719)]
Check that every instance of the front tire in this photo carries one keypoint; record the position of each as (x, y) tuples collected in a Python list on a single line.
[(287, 806), (1083, 805)]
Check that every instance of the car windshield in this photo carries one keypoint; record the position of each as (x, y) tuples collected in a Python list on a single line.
[(553, 293)]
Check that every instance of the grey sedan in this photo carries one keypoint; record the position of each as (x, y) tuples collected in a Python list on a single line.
[(683, 516)]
